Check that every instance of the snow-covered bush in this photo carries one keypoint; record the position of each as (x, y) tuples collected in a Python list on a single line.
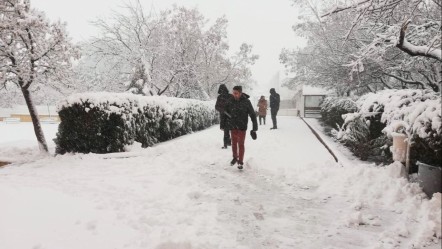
[(354, 128), (424, 121), (355, 133), (106, 122), (420, 110), (332, 109), (384, 107), (390, 102)]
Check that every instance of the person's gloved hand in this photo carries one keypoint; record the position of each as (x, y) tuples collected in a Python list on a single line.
[(253, 135)]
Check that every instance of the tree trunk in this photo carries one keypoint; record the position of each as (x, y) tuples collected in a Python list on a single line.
[(35, 121)]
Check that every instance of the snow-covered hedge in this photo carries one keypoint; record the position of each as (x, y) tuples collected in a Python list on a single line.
[(355, 133), (392, 102), (419, 110), (424, 122), (332, 109), (384, 107), (107, 122)]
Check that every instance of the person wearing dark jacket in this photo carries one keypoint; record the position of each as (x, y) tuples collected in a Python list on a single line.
[(274, 107), (238, 109), (221, 101)]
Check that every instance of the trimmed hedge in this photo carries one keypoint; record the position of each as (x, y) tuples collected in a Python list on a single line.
[(332, 109), (107, 122)]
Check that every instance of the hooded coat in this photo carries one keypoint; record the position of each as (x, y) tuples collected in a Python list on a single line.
[(223, 97), (221, 101), (274, 99), (238, 112)]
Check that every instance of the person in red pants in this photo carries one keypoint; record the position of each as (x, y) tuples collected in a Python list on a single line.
[(238, 108)]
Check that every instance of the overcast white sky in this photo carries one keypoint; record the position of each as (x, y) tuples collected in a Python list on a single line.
[(266, 24)]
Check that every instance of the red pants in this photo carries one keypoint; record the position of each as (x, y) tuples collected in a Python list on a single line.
[(238, 137)]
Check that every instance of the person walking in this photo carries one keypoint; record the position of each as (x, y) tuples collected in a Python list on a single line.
[(274, 107), (262, 109), (221, 101), (238, 109)]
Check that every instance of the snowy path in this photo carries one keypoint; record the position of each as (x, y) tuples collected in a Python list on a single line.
[(184, 194)]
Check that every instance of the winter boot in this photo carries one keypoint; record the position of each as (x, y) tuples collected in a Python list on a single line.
[(234, 160), (240, 165)]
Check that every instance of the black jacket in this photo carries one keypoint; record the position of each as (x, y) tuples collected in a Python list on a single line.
[(274, 99), (222, 99), (221, 102), (238, 112)]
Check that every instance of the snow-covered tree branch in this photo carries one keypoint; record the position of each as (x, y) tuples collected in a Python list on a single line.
[(413, 50), (174, 53), (32, 51), (368, 43)]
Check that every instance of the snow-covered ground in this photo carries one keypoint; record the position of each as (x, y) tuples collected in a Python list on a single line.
[(184, 194), (18, 142)]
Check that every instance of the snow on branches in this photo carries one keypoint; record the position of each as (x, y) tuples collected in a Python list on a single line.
[(370, 45), (416, 112), (394, 104), (390, 20), (31, 48), (32, 51), (173, 53)]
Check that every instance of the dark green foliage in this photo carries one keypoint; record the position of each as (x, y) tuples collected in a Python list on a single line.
[(428, 150), (419, 109), (374, 150), (92, 131), (87, 127), (332, 109), (376, 126)]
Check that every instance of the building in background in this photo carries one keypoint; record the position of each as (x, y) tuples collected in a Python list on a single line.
[(308, 100), (5, 113), (20, 113)]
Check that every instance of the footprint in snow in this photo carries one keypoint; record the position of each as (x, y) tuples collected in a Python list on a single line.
[(258, 216), (194, 195), (91, 225), (237, 201)]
